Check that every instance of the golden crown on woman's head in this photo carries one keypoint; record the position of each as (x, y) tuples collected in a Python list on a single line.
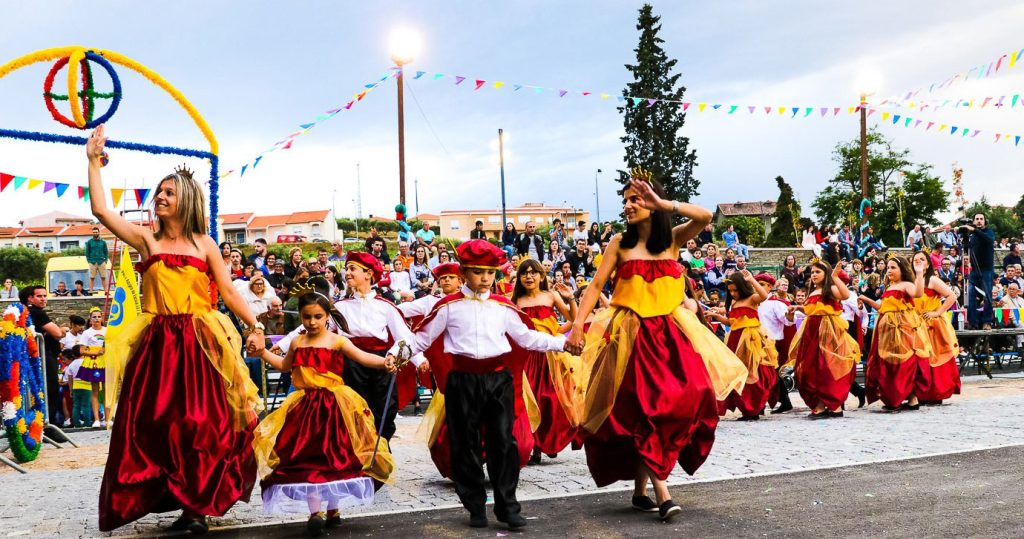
[(301, 289), (891, 256), (815, 260), (926, 250), (183, 171), (642, 174)]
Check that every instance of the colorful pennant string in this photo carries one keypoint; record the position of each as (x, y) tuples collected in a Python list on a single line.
[(988, 69)]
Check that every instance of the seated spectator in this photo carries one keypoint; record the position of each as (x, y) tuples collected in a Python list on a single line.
[(729, 262), (323, 257), (278, 280), (403, 254), (335, 281), (594, 236), (870, 240), (257, 294), (79, 290), (548, 268), (581, 260), (420, 274), (1013, 257), (235, 269), (508, 239), (741, 262), (846, 243), (705, 237), (62, 290), (710, 255), (443, 257), (791, 272), (714, 276), (580, 233), (377, 249), (314, 267), (732, 241), (946, 271), (9, 291), (425, 236), (554, 254), (478, 231), (810, 240), (273, 318), (295, 261), (401, 281), (915, 239), (1012, 275)]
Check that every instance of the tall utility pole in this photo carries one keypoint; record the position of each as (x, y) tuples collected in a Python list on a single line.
[(501, 163), (401, 134), (864, 147), (597, 198)]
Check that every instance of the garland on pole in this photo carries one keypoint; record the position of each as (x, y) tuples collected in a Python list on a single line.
[(22, 400)]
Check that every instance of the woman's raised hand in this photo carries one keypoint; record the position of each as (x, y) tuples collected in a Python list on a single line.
[(648, 198), (97, 142)]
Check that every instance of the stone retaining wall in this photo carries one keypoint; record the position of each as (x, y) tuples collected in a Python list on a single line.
[(764, 257), (60, 309)]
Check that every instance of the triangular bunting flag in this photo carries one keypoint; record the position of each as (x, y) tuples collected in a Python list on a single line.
[(81, 192), (33, 183), (479, 83), (952, 130), (701, 107), (732, 108), (245, 167), (651, 102), (795, 110), (459, 79), (716, 106), (930, 124), (498, 84), (561, 93), (782, 110), (116, 195), (604, 96), (48, 186), (636, 101), (517, 87), (5, 179), (307, 126), (257, 161), (997, 137), (19, 181), (807, 111), (1013, 102), (885, 116), (686, 106), (917, 123), (907, 122), (418, 74), (1016, 140), (61, 188), (824, 111), (438, 75), (85, 194), (767, 110), (942, 127), (141, 195), (895, 118), (585, 93), (870, 112), (751, 108)]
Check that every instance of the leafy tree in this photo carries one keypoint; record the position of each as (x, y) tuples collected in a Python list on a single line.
[(1003, 220), (652, 131), (787, 210), (902, 193), (22, 264), (749, 229)]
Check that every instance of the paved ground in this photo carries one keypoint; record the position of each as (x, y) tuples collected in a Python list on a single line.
[(61, 498)]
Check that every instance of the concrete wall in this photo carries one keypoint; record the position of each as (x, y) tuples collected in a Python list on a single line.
[(60, 309)]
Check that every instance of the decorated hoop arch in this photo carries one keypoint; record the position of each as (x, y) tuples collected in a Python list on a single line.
[(22, 400), (82, 99)]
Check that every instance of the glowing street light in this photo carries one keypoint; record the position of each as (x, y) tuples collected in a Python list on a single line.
[(404, 45), (868, 82)]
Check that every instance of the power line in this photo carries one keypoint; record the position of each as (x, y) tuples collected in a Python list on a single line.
[(427, 120)]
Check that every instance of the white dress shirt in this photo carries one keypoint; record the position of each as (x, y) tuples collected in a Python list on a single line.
[(772, 314), (479, 328), (418, 307), (371, 316), (851, 311)]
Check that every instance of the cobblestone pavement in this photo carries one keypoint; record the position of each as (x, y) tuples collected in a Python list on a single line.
[(58, 497)]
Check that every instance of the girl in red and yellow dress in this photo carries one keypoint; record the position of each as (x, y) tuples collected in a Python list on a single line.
[(938, 298), (656, 373), (185, 404), (748, 341), (551, 375), (318, 448), (823, 353), (898, 365)]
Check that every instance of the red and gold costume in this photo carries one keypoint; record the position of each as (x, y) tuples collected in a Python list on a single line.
[(748, 341), (656, 375), (183, 433), (945, 373), (824, 355), (898, 365), (319, 443), (552, 378)]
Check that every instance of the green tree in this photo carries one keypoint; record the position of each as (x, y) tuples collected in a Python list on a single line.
[(902, 193), (1003, 220), (22, 264), (787, 211), (652, 131), (1018, 210), (749, 229)]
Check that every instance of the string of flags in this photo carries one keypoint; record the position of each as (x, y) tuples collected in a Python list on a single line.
[(942, 128), (1004, 62), (990, 102), (305, 128), (16, 182)]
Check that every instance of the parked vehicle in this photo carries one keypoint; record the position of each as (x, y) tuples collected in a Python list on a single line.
[(291, 238), (66, 269)]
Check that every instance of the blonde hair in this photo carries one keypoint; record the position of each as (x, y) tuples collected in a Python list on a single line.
[(191, 207)]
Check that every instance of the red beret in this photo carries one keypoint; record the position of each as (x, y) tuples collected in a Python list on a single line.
[(844, 277), (480, 254), (765, 278), (366, 261), (449, 268)]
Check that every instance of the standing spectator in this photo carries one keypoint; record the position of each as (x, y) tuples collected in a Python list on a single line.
[(1012, 258), (419, 271), (96, 255), (225, 253), (74, 334), (937, 255), (529, 243), (732, 241), (235, 269), (478, 231), (580, 233), (294, 262), (946, 237), (403, 254), (810, 240), (335, 282), (594, 235), (425, 236), (374, 236), (982, 243), (322, 258), (9, 291), (259, 257), (92, 369), (277, 278), (34, 297), (508, 239), (915, 238), (791, 273), (607, 233), (581, 260), (378, 251), (79, 290), (846, 244), (62, 290), (80, 390), (706, 236), (339, 252), (558, 232)]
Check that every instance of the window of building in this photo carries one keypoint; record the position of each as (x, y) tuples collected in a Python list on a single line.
[(496, 219), (64, 245), (47, 246), (540, 220), (316, 230), (523, 219), (297, 229), (239, 237), (454, 224)]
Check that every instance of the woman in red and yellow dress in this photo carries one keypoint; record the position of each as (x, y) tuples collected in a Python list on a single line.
[(656, 373), (318, 448), (938, 299), (185, 404), (898, 365), (551, 375), (823, 353), (748, 341)]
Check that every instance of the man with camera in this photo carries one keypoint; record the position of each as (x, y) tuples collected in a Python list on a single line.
[(981, 242)]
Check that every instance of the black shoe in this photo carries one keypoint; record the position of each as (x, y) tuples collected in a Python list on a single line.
[(668, 510), (333, 519), (315, 525), (197, 526), (862, 400), (908, 406), (783, 408), (838, 413), (551, 455), (815, 416), (644, 504), (891, 408), (181, 524), (514, 521), (931, 403), (534, 459), (478, 520), (748, 418)]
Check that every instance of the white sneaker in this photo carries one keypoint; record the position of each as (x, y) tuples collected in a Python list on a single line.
[(96, 424), (67, 422)]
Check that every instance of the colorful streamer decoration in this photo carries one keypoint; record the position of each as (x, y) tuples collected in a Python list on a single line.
[(82, 103), (988, 69), (22, 400)]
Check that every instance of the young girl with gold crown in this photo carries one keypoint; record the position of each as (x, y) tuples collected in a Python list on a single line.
[(938, 298), (320, 447)]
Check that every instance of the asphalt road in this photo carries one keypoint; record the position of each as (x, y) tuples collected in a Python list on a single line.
[(977, 494)]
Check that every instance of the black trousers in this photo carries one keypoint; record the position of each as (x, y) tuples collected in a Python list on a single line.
[(372, 386), (483, 401)]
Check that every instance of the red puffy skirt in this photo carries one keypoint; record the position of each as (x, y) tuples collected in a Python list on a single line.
[(755, 396), (814, 380), (555, 431)]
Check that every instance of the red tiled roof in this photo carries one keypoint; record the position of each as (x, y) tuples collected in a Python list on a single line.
[(518, 209), (9, 232), (747, 208), (308, 216), (235, 218), (40, 231), (427, 217), (263, 221), (83, 230)]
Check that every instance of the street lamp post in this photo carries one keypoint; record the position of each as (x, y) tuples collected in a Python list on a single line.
[(597, 198), (404, 46), (864, 146), (501, 165)]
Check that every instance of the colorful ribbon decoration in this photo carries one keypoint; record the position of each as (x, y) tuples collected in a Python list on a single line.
[(60, 188), (1005, 62)]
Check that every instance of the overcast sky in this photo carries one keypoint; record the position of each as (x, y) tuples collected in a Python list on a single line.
[(256, 70)]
